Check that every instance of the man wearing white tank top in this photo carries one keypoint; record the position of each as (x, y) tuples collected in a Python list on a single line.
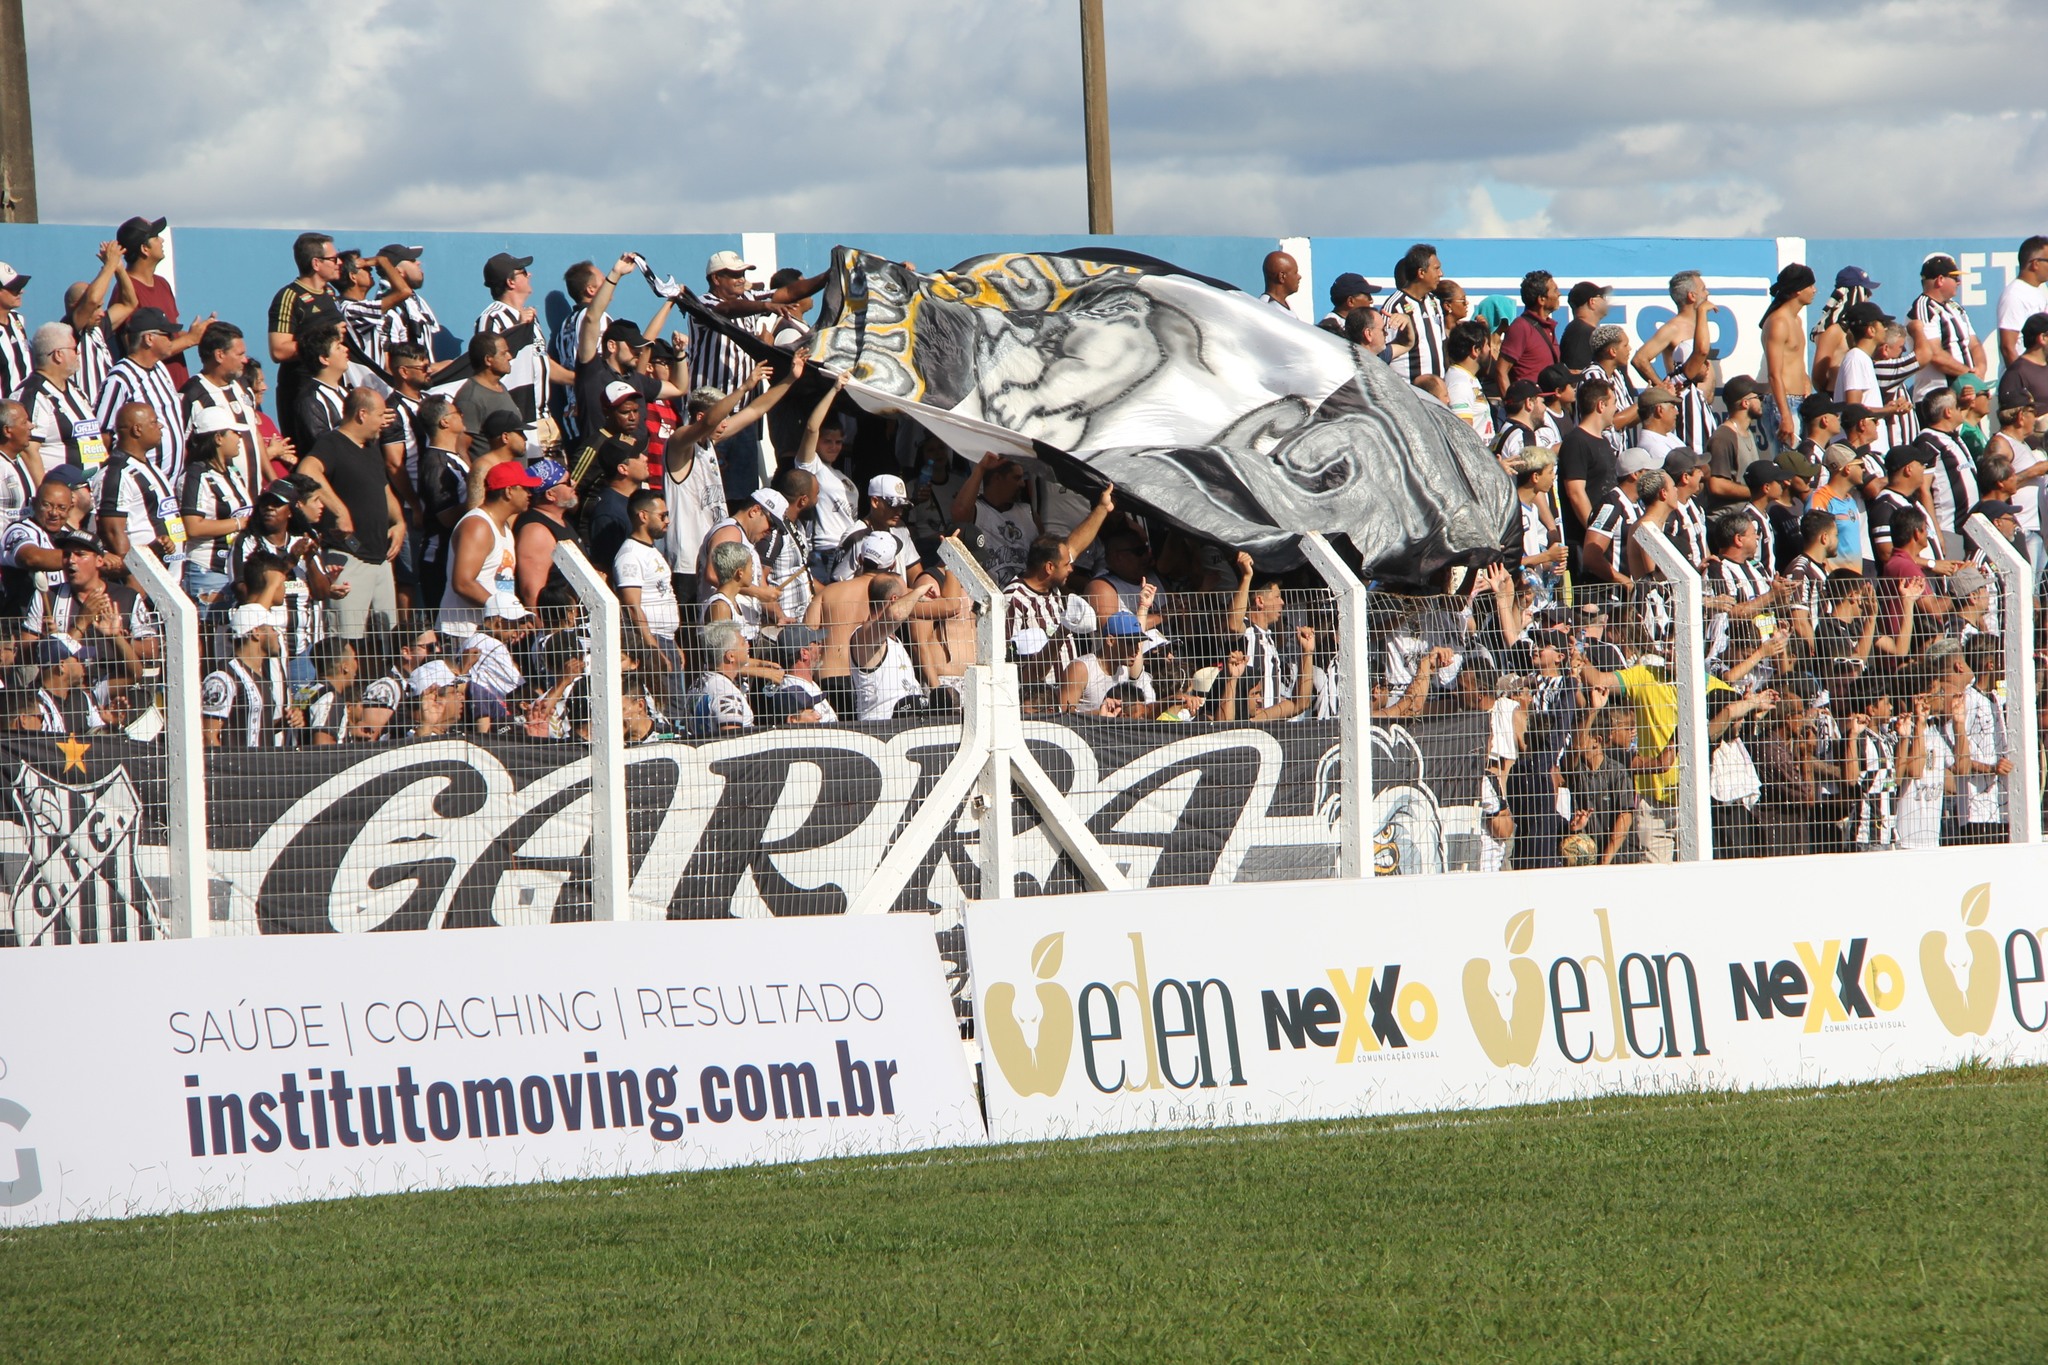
[(883, 675), (483, 560), (691, 479)]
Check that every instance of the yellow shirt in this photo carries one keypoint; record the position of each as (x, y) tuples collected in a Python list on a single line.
[(1655, 700)]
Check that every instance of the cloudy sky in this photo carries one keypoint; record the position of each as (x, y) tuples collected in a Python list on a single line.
[(1477, 117)]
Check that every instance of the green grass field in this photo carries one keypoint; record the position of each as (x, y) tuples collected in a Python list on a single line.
[(1896, 1222)]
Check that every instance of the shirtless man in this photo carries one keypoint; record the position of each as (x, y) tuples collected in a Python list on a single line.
[(840, 608), (1688, 364), (1785, 372)]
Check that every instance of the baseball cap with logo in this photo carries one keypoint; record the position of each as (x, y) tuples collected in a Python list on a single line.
[(550, 473), (1938, 265), (504, 606), (619, 391), (499, 270), (878, 548), (771, 502), (510, 474), (1855, 277), (138, 230), (143, 321), (723, 261), (11, 279), (889, 489), (1123, 623), (1349, 285)]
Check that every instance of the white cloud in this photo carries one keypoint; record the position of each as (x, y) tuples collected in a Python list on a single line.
[(1294, 116)]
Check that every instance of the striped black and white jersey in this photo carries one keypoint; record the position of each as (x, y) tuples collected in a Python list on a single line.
[(211, 495), (1687, 529), (1766, 540), (719, 361), (17, 489), (412, 323), (1888, 502), (130, 383), (402, 428), (326, 712), (388, 693), (201, 392), (1951, 479), (363, 323), (562, 346), (19, 585), (17, 360), (250, 707), (1894, 377), (133, 490), (1696, 420), (300, 618), (95, 363), (1948, 327), (1621, 438), (528, 384), (1026, 608), (1745, 581), (1613, 518), (1809, 586), (51, 613), (320, 409), (64, 424), (1425, 332)]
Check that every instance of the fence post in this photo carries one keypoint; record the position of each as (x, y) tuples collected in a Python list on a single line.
[(191, 910), (609, 881), (2022, 718), (1354, 717), (1688, 669)]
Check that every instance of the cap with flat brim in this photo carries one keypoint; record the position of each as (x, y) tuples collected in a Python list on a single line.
[(138, 230), (1764, 472), (396, 253), (68, 541), (1940, 265)]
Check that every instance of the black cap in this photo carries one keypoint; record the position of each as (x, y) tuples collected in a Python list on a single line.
[(143, 321), (501, 423), (614, 455), (1763, 472), (1854, 414), (70, 475), (626, 330), (1863, 314), (1557, 378), (75, 540), (499, 270), (1898, 457), (658, 349), (1817, 405), (1521, 391), (1939, 264), (1347, 286), (1995, 508), (136, 231), (284, 491), (1584, 292), (396, 253), (1740, 387)]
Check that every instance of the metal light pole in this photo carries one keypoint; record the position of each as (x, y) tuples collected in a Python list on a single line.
[(17, 140), (1095, 114)]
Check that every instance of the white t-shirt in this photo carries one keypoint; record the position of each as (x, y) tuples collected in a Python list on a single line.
[(717, 703), (1659, 443), (493, 670), (2019, 302), (1980, 796), (1468, 402), (2028, 499), (642, 566), (839, 503), (1920, 798), (1858, 374)]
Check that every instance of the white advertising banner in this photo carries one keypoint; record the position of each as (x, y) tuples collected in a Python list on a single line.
[(163, 1077), (1260, 1004)]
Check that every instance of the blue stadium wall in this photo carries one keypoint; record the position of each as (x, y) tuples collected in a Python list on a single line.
[(235, 271)]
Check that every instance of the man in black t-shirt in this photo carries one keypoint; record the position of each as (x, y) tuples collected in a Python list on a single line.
[(1586, 461), (364, 522), (1589, 308), (304, 303)]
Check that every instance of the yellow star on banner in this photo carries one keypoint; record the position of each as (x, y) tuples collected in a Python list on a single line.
[(74, 751)]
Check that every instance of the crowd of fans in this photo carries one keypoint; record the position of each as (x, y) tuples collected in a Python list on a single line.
[(1852, 648), (374, 552)]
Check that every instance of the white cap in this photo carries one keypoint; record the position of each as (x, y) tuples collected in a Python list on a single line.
[(1029, 641), (8, 275), (771, 502), (503, 606), (878, 548), (247, 619), (212, 419), (725, 260), (1079, 617), (888, 488), (432, 673), (1636, 460)]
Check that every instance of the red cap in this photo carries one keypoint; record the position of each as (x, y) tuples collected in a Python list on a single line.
[(510, 474)]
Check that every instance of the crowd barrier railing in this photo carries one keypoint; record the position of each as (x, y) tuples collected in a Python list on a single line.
[(1401, 791)]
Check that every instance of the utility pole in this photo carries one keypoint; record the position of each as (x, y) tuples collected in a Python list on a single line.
[(17, 138), (1095, 114)]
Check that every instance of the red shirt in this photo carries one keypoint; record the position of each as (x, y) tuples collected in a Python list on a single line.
[(1529, 347), (1899, 567), (157, 294)]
